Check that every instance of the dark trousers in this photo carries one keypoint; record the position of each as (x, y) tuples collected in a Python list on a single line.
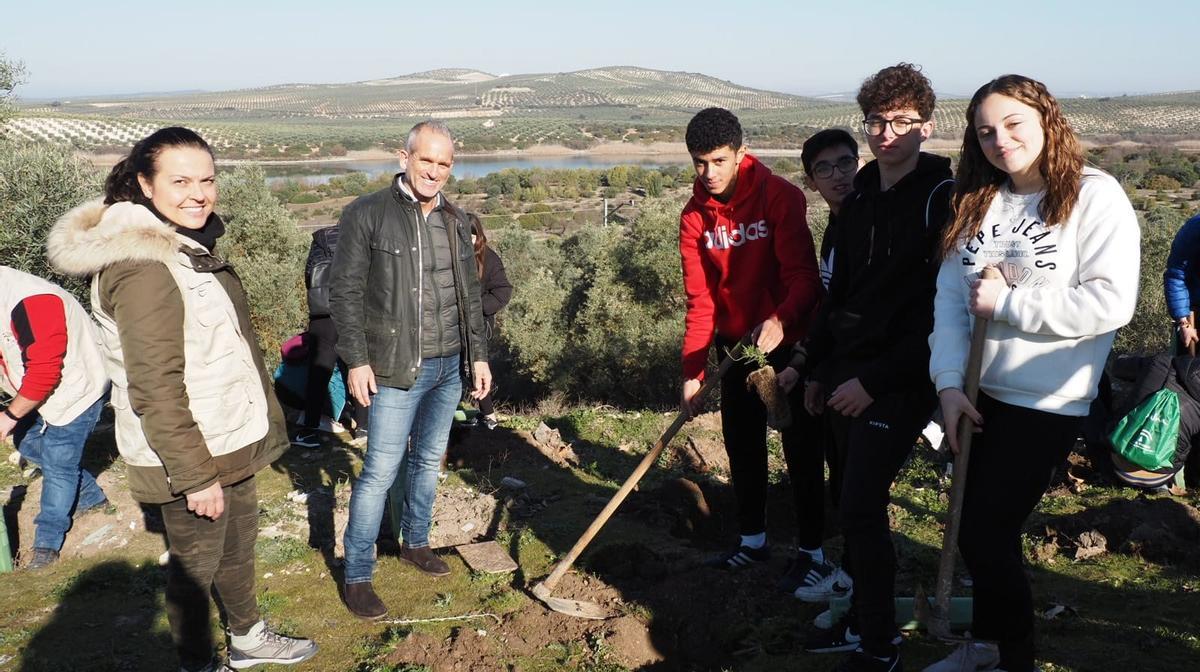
[(744, 428), (1012, 462), (322, 358), (487, 405), (872, 448), (211, 555)]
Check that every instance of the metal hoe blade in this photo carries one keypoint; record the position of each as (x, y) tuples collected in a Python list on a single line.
[(576, 608)]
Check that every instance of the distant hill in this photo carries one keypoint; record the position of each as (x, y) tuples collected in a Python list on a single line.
[(450, 93), (489, 112)]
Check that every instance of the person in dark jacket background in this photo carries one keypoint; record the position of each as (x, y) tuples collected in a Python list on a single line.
[(1181, 375), (321, 340), (495, 293), (1181, 282)]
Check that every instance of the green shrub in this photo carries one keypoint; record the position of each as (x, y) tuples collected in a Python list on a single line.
[(263, 243), (598, 317), (38, 184), (305, 197), (1150, 329)]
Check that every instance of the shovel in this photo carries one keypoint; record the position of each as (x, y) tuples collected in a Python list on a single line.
[(580, 609), (936, 619)]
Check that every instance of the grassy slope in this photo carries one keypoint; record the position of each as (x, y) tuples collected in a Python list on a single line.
[(1128, 611)]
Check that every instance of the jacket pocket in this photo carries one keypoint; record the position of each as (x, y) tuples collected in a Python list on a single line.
[(222, 414), (211, 307), (382, 348)]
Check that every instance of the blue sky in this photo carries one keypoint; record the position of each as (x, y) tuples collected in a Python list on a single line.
[(73, 48)]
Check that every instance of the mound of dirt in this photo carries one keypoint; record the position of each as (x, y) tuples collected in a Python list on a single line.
[(1160, 529)]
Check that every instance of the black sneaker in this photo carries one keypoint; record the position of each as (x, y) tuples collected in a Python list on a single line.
[(740, 558), (306, 439), (861, 661), (843, 636), (797, 569)]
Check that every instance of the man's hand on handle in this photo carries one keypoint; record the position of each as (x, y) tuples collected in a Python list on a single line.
[(687, 402)]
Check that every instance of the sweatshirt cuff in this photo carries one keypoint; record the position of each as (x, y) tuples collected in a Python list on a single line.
[(1004, 304), (948, 379)]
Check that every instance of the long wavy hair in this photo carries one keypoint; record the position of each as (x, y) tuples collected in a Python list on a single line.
[(977, 181), (480, 241)]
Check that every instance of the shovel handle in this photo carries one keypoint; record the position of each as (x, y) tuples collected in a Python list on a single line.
[(958, 483), (648, 461)]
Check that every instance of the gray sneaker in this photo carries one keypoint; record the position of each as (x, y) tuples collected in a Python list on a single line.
[(269, 647), (42, 558)]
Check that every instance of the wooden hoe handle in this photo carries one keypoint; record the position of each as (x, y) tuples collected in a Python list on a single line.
[(958, 486), (648, 461)]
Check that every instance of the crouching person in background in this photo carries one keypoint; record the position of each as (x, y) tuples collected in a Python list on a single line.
[(50, 365), (195, 416)]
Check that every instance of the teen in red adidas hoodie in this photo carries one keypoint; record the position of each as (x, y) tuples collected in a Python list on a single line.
[(748, 267)]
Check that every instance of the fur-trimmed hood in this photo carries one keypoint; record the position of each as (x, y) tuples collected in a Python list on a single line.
[(94, 236)]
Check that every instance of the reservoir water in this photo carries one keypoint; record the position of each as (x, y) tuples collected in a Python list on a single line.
[(320, 172)]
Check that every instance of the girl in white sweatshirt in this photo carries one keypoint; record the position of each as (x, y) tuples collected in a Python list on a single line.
[(1066, 240)]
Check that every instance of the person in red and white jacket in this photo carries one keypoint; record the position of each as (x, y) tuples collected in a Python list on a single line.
[(749, 267), (51, 369)]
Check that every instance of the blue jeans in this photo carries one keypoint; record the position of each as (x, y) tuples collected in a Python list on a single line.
[(66, 487), (425, 412)]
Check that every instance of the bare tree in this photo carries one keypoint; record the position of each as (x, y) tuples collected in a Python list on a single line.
[(12, 75)]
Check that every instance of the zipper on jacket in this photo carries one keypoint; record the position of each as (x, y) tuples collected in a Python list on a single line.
[(420, 280), (460, 291)]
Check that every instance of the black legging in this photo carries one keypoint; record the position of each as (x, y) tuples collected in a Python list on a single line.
[(744, 427), (870, 450), (322, 357), (1012, 462)]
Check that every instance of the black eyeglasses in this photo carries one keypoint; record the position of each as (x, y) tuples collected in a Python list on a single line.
[(845, 166), (900, 125)]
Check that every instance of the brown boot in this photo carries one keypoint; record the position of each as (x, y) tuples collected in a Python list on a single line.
[(425, 560), (362, 601)]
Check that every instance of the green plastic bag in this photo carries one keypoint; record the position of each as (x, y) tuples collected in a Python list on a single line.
[(1147, 436)]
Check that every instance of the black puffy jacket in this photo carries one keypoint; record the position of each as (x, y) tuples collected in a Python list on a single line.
[(316, 270), (375, 290)]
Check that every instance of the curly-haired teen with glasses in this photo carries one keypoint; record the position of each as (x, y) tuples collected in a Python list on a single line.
[(868, 350)]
